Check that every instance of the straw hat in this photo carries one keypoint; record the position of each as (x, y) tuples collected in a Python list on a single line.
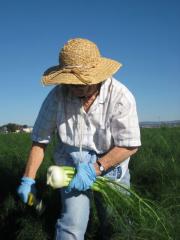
[(80, 62)]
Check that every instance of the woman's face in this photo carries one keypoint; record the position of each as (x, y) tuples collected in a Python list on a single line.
[(83, 90)]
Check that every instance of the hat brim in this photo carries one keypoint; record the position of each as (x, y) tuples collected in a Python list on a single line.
[(105, 68)]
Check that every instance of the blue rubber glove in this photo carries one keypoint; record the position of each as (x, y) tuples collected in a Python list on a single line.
[(27, 186), (84, 178)]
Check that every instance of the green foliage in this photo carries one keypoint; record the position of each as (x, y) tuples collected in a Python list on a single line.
[(155, 168), (155, 172)]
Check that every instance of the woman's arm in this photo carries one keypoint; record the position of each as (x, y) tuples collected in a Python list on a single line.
[(114, 157), (35, 159)]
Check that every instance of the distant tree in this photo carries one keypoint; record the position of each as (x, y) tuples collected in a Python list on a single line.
[(12, 127)]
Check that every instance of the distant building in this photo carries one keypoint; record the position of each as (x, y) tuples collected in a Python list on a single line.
[(27, 130)]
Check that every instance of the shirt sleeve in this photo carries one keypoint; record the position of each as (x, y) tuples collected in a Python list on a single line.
[(45, 123), (124, 124)]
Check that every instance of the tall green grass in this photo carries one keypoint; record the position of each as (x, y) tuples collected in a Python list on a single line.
[(155, 172)]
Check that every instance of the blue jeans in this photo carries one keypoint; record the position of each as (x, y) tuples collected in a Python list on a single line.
[(73, 221), (74, 217)]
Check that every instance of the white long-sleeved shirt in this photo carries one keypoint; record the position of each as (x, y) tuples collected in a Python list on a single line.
[(111, 121)]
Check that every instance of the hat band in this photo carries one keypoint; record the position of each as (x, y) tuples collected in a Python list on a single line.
[(77, 70)]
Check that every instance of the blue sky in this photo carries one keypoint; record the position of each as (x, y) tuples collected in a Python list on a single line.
[(143, 35)]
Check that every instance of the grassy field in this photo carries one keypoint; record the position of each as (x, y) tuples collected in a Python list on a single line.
[(155, 176)]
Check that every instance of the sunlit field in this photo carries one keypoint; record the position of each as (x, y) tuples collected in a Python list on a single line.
[(155, 178)]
